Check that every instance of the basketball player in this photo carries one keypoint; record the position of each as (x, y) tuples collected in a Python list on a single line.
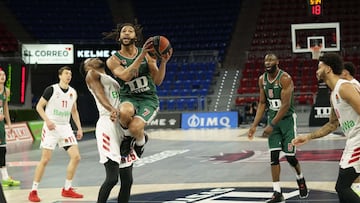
[(345, 110), (276, 95), (60, 102), (109, 134), (349, 73), (4, 116), (138, 74)]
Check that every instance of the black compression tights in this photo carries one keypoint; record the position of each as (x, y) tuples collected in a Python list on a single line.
[(343, 186), (112, 175)]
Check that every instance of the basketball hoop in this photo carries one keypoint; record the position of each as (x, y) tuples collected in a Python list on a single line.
[(316, 52)]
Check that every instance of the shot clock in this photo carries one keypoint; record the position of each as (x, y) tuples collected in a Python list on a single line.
[(315, 7)]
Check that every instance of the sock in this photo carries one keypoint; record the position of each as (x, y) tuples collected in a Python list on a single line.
[(276, 186), (4, 173), (35, 186), (298, 177), (140, 142), (67, 184)]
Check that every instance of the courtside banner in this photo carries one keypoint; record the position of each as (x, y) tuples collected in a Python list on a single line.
[(102, 51), (20, 133), (48, 53), (165, 121), (209, 120)]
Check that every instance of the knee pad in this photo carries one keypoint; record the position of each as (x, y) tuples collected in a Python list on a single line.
[(292, 160), (274, 157)]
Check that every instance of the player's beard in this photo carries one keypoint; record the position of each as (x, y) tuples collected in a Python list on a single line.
[(271, 70), (131, 42)]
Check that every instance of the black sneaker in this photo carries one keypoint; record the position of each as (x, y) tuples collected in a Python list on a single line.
[(140, 149), (125, 146), (303, 191), (276, 197)]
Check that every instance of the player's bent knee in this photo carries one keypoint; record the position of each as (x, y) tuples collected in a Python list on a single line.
[(292, 160), (274, 157)]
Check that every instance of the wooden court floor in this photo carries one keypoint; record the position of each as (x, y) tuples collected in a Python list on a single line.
[(180, 164)]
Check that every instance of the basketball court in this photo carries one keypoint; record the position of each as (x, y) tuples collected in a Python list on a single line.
[(205, 166)]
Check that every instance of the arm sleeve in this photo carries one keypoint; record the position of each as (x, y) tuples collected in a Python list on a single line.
[(48, 93)]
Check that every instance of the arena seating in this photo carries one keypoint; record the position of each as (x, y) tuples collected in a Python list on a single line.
[(63, 20), (201, 26), (190, 24), (8, 42)]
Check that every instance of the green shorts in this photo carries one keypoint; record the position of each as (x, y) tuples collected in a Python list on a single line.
[(146, 108), (283, 133)]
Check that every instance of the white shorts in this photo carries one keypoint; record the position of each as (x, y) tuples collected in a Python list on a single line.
[(350, 157), (108, 138), (62, 135)]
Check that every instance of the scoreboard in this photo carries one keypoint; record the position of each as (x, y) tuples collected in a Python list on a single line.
[(315, 7)]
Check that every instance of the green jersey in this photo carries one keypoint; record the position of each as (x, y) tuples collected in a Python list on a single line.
[(142, 85), (273, 95)]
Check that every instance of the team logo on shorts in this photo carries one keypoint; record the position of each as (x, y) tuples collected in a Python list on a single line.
[(146, 112)]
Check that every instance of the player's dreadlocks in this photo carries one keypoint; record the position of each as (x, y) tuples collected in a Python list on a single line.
[(115, 33)]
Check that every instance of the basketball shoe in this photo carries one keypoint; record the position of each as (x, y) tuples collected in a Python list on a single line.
[(276, 197), (33, 196), (71, 193), (10, 182), (303, 191), (140, 149)]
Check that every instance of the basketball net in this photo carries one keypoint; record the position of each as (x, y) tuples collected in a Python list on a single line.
[(316, 52)]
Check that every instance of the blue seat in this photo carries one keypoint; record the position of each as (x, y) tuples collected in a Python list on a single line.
[(170, 105)]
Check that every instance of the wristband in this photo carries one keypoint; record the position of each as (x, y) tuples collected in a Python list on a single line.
[(272, 125)]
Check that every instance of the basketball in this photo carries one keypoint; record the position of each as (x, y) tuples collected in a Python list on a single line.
[(161, 46)]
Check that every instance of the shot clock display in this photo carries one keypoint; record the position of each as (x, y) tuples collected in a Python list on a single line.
[(315, 7)]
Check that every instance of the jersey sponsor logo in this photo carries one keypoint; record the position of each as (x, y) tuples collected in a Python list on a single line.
[(57, 112), (347, 125), (139, 85)]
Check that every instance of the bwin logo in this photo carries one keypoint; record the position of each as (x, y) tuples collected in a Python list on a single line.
[(195, 121), (322, 112)]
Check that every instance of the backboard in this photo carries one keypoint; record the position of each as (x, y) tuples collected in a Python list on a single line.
[(306, 36)]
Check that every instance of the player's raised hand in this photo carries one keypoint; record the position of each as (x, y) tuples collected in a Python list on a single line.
[(300, 140), (148, 45), (166, 57)]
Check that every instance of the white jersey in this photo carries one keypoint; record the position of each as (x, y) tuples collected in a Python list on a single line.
[(111, 89), (355, 81), (350, 125), (109, 134), (58, 108)]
